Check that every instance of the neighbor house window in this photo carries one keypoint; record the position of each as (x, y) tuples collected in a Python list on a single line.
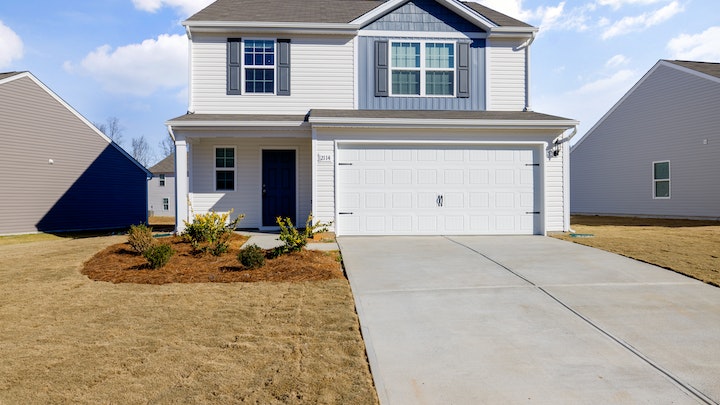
[(259, 66), (166, 204), (162, 180), (661, 179), (422, 68), (224, 169)]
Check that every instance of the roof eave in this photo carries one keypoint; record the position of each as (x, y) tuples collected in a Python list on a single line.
[(274, 27), (441, 123)]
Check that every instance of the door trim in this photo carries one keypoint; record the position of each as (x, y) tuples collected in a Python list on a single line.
[(260, 183)]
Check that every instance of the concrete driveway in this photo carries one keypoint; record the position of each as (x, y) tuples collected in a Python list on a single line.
[(513, 319)]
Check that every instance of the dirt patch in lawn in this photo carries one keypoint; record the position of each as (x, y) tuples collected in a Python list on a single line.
[(66, 339), (685, 246), (120, 264)]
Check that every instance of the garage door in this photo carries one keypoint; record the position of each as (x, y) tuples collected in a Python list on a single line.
[(433, 190)]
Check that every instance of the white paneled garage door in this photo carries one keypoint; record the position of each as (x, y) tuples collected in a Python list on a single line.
[(437, 190)]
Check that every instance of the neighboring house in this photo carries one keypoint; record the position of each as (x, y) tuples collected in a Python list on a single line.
[(385, 117), (57, 171), (161, 188), (656, 152)]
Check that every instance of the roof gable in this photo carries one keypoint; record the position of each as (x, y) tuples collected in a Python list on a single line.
[(14, 76), (329, 12), (422, 15), (704, 70), (166, 165)]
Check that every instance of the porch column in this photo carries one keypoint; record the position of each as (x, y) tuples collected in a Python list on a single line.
[(181, 185)]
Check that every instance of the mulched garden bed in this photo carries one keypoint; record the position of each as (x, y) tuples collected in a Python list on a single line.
[(120, 264)]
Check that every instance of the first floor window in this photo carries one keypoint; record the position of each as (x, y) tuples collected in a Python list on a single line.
[(422, 68), (166, 204), (661, 179), (224, 169), (162, 180)]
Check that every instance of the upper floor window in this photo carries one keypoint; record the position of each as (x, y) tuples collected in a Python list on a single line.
[(422, 68), (259, 57), (661, 179), (162, 180), (258, 66)]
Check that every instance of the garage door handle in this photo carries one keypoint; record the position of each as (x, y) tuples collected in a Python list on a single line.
[(439, 200), (345, 213), (532, 212)]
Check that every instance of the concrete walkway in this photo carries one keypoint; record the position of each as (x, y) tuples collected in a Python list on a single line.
[(498, 320)]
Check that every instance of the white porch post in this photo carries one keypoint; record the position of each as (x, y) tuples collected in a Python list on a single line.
[(181, 185)]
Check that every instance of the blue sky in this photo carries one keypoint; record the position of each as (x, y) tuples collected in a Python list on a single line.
[(128, 58)]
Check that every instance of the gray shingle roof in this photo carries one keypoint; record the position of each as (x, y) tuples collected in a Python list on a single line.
[(9, 74), (238, 117), (709, 68), (435, 114), (314, 11), (166, 165)]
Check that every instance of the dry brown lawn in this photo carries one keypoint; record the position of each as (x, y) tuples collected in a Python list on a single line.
[(686, 246), (68, 339)]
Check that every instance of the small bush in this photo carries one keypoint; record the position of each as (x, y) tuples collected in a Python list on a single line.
[(211, 232), (294, 240), (140, 238), (158, 255), (252, 256)]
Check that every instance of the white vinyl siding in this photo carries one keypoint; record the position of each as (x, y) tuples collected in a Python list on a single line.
[(322, 73), (157, 194), (506, 75), (247, 198)]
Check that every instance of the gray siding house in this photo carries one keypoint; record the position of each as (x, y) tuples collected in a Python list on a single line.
[(398, 117), (656, 153), (161, 188), (57, 171)]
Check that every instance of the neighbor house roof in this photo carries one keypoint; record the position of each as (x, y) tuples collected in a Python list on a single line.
[(9, 74), (166, 165), (314, 11), (709, 68)]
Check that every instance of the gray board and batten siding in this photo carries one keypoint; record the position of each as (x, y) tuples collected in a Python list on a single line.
[(57, 173), (670, 115), (421, 16)]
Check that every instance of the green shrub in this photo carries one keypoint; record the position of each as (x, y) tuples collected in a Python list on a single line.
[(211, 232), (294, 240), (252, 256), (140, 238), (158, 255)]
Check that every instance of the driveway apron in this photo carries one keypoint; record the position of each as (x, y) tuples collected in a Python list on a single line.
[(518, 319)]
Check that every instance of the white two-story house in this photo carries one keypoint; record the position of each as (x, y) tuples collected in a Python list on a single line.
[(385, 117)]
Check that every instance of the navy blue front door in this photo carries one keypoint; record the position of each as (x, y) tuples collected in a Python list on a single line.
[(278, 188)]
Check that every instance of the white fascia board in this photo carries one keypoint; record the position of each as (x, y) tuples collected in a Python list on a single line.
[(459, 8), (440, 123), (180, 125), (512, 32), (271, 27), (690, 71)]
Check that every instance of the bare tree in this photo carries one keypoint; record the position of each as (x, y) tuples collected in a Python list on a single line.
[(167, 146), (112, 129), (141, 150)]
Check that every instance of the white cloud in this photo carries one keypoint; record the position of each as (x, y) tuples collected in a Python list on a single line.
[(138, 69), (616, 4), (699, 47), (643, 21), (547, 18), (186, 7), (620, 79), (12, 46), (617, 60)]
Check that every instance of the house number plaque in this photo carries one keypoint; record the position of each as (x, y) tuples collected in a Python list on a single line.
[(325, 157)]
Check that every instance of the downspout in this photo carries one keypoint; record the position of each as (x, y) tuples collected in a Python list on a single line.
[(526, 46)]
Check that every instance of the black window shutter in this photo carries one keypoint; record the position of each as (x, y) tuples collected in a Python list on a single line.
[(463, 70), (381, 69), (283, 66), (234, 66)]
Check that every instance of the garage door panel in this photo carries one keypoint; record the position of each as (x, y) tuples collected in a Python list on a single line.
[(412, 189)]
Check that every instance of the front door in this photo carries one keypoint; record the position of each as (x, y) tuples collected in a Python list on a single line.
[(278, 185)]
